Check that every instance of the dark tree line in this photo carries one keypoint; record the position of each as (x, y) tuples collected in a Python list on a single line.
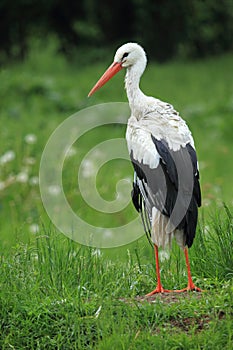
[(167, 28)]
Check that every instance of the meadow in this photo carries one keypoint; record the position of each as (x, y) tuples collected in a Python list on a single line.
[(57, 294)]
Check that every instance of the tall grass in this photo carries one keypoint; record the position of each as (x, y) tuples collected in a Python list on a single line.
[(56, 294), (214, 246)]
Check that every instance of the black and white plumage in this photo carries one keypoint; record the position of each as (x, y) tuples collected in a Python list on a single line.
[(155, 192), (166, 188)]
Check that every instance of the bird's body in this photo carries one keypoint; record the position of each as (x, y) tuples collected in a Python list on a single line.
[(166, 187), (150, 178)]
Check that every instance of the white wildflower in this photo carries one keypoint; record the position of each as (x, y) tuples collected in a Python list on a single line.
[(54, 190), (108, 233), (70, 152), (30, 139), (34, 180), (34, 228), (7, 157), (88, 168), (22, 177)]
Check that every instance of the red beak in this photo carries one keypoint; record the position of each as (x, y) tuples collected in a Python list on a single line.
[(110, 72)]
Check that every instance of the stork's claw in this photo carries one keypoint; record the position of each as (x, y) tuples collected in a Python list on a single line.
[(158, 289), (192, 288), (187, 289)]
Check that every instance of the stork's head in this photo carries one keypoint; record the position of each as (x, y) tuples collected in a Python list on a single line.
[(128, 55)]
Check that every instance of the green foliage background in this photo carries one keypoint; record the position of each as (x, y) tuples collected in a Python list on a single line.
[(167, 28)]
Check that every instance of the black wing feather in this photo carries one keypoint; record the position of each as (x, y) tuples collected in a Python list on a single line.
[(161, 187)]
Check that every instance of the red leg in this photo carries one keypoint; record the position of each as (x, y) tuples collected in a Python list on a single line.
[(191, 286), (159, 288)]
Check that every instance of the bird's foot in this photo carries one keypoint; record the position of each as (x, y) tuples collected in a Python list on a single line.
[(158, 289), (190, 288)]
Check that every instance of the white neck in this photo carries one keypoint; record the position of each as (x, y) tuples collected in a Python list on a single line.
[(132, 79)]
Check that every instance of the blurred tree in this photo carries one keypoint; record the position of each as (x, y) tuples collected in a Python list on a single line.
[(161, 25), (61, 19), (209, 27), (167, 28), (115, 19), (15, 25), (20, 20)]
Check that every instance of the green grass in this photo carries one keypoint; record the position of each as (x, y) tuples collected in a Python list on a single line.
[(55, 294), (58, 295)]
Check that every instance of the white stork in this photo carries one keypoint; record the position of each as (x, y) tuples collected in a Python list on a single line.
[(166, 188)]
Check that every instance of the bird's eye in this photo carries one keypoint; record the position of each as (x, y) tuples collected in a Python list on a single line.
[(125, 55)]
